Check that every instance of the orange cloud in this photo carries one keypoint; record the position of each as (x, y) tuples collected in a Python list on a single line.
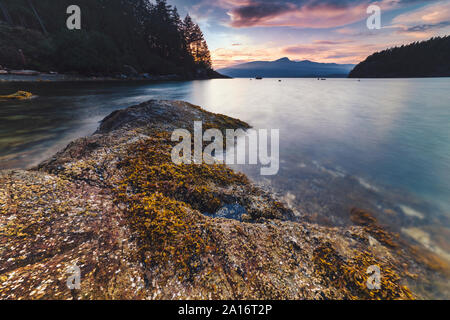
[(341, 51)]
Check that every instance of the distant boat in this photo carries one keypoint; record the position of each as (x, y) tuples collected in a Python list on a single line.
[(259, 78)]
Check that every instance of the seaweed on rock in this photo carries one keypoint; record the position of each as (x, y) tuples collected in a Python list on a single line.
[(115, 205)]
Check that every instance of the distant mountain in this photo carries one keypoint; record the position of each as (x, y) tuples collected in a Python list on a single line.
[(285, 68), (420, 59)]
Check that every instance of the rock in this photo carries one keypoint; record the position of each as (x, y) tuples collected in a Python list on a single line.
[(19, 95), (231, 211), (116, 206), (246, 218)]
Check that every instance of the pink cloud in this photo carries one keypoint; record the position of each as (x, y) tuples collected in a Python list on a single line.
[(431, 14), (418, 24), (423, 23), (262, 14), (340, 51)]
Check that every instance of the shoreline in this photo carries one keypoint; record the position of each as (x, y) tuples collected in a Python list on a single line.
[(73, 78)]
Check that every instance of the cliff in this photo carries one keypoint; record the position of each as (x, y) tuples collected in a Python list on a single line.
[(137, 226)]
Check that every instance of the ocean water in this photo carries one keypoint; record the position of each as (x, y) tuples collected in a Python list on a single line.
[(382, 145)]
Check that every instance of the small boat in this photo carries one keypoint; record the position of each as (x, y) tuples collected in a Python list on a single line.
[(259, 78)]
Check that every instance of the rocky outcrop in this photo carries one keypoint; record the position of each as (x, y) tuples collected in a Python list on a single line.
[(140, 227)]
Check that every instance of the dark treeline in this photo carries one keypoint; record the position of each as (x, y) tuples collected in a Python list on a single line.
[(420, 59), (116, 36)]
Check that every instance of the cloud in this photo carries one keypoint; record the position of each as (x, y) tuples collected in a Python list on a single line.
[(339, 51), (425, 21), (225, 57), (344, 51), (432, 14), (257, 12), (426, 27), (303, 13)]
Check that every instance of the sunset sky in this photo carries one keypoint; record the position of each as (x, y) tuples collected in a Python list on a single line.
[(319, 30)]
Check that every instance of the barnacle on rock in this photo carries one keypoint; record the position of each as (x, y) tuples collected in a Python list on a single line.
[(149, 169), (350, 275), (117, 206), (160, 197), (370, 224)]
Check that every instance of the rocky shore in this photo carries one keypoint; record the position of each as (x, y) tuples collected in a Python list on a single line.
[(140, 227), (36, 76)]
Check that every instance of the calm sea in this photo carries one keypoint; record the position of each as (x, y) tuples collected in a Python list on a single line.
[(381, 145)]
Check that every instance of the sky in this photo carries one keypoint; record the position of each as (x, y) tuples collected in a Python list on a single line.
[(239, 31)]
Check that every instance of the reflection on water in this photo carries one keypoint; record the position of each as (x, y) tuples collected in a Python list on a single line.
[(383, 145)]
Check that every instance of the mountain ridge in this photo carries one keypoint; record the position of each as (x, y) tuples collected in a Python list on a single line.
[(287, 68)]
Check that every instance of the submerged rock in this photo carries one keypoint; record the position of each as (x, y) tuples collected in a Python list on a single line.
[(116, 206), (230, 211), (19, 95)]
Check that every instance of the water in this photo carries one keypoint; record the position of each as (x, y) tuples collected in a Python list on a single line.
[(382, 145)]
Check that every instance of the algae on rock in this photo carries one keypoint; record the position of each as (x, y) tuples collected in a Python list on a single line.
[(135, 223)]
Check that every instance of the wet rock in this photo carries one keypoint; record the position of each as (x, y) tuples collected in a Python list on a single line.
[(231, 211), (117, 207)]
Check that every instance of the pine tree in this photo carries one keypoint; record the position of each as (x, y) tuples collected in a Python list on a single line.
[(147, 35), (196, 43)]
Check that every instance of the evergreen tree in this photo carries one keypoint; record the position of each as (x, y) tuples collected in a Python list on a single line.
[(149, 36), (196, 43), (419, 59)]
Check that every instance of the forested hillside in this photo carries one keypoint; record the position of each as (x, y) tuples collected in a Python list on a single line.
[(420, 59), (116, 36)]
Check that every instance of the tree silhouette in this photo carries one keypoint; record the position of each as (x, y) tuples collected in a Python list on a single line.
[(419, 59), (148, 36)]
